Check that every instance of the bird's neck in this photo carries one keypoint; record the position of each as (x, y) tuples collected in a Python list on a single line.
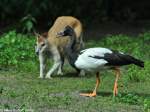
[(71, 43), (70, 50)]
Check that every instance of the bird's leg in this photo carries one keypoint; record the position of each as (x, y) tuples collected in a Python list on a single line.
[(117, 73), (95, 89)]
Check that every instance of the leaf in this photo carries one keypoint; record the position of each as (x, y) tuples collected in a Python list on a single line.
[(29, 25), (13, 40), (1, 45)]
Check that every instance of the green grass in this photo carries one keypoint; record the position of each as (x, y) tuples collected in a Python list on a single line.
[(21, 89), (62, 93)]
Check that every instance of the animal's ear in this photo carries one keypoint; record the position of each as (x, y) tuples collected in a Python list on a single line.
[(37, 35)]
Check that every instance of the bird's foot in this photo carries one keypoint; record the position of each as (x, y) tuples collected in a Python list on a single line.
[(115, 93), (89, 94)]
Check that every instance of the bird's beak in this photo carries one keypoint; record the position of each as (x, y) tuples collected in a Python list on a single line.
[(59, 34)]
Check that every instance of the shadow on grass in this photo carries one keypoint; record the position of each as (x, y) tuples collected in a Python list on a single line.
[(75, 74), (108, 93), (102, 93), (70, 74)]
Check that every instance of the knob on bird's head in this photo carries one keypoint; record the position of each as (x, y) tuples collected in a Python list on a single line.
[(67, 31)]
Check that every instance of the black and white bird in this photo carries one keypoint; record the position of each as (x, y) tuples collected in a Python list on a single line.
[(96, 59)]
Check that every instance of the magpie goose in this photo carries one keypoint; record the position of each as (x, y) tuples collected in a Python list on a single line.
[(96, 59)]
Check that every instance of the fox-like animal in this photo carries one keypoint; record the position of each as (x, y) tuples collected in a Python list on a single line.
[(48, 44)]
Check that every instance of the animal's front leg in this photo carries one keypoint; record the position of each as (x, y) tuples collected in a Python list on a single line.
[(42, 60), (57, 62)]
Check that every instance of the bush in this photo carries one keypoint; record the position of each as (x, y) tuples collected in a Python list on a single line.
[(46, 11), (28, 24), (137, 75), (16, 49)]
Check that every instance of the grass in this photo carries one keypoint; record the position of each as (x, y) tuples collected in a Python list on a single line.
[(62, 93), (21, 89)]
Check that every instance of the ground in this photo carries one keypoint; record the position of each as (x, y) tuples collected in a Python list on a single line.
[(61, 94)]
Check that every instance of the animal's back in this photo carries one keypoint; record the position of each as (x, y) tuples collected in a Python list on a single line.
[(58, 25)]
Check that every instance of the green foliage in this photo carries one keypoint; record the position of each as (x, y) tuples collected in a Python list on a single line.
[(129, 98), (136, 74), (133, 99), (147, 105), (16, 49), (146, 37), (27, 24), (120, 42), (130, 45)]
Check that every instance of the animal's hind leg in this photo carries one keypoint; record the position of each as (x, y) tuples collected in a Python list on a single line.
[(60, 69), (82, 73)]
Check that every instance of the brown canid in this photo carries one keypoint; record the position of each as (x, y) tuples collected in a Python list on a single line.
[(50, 44)]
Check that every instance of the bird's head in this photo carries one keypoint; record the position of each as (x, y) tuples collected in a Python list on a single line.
[(67, 31)]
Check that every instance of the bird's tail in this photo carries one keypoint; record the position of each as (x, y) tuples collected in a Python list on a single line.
[(137, 62)]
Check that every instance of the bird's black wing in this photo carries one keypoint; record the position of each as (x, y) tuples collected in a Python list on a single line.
[(115, 58)]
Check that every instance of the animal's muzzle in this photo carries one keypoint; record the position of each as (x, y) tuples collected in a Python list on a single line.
[(36, 50)]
